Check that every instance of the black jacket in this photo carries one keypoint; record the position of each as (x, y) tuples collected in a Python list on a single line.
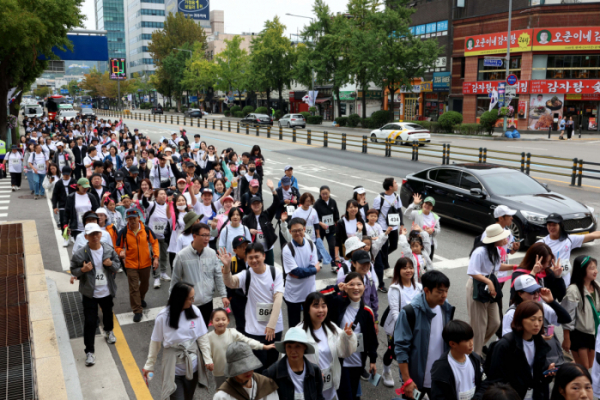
[(337, 303), (313, 380), (443, 382), (323, 208), (59, 195), (266, 225), (340, 231), (71, 213), (79, 155), (94, 193), (245, 201), (509, 365), (245, 184), (113, 191), (281, 202), (144, 173)]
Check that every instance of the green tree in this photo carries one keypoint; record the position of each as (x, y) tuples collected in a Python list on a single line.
[(91, 81), (271, 58), (233, 67), (30, 29), (201, 74), (400, 57), (43, 91), (173, 67), (73, 88), (327, 40)]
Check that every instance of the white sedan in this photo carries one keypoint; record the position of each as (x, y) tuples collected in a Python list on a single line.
[(401, 133)]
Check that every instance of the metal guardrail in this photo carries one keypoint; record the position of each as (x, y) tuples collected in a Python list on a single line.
[(524, 162)]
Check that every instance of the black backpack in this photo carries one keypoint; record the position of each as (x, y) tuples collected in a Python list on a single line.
[(249, 277), (290, 246)]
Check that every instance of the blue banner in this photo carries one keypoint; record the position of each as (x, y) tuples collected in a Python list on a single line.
[(196, 9), (419, 30), (442, 26), (430, 28), (85, 48), (441, 81)]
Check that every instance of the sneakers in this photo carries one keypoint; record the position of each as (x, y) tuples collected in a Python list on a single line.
[(388, 379), (365, 375), (120, 270), (144, 304), (382, 289), (164, 276), (13, 189), (66, 242), (35, 197), (110, 337), (156, 283), (137, 317), (90, 359)]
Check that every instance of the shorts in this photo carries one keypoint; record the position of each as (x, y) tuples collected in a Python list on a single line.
[(580, 340)]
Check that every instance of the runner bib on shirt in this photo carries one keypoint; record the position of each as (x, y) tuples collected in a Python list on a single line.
[(260, 237), (100, 278), (566, 266), (41, 166), (327, 219), (80, 217), (310, 230), (159, 227), (327, 379), (393, 219), (290, 209), (263, 311), (468, 395)]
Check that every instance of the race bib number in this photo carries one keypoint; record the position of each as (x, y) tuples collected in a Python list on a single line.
[(310, 230), (468, 395), (361, 343), (159, 227), (327, 219), (566, 266), (80, 217), (41, 166), (290, 210), (263, 311), (327, 379), (260, 237), (101, 278), (393, 219)]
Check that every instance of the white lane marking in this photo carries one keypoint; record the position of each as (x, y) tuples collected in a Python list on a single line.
[(62, 251), (4, 196), (520, 147), (4, 201), (331, 180), (462, 262), (4, 208), (435, 256), (3, 215)]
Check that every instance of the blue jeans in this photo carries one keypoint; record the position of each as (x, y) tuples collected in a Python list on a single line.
[(30, 180), (38, 179)]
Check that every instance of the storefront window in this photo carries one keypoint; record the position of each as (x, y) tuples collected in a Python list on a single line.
[(573, 67), (499, 73), (483, 104)]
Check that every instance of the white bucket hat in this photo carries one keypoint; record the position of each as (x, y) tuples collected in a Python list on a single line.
[(494, 233), (295, 335), (352, 244)]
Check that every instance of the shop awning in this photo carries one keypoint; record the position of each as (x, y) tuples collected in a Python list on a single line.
[(323, 100)]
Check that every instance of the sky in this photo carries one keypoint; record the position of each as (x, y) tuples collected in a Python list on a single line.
[(250, 16)]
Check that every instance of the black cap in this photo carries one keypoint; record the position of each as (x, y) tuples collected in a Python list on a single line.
[(67, 170), (238, 240), (185, 155), (554, 217), (255, 198), (134, 170), (92, 215), (190, 164), (361, 257), (131, 213), (119, 176)]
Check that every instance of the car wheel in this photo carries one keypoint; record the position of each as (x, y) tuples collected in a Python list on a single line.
[(289, 125), (373, 138), (398, 141), (516, 229)]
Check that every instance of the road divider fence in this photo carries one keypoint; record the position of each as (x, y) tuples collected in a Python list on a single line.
[(575, 169)]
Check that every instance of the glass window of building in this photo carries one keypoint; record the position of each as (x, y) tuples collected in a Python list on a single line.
[(499, 73)]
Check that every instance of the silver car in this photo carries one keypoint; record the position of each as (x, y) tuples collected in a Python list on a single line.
[(292, 121)]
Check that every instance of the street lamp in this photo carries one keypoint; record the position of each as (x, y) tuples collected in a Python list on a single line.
[(299, 16)]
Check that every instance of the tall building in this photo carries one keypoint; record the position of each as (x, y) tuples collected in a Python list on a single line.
[(143, 18), (110, 17)]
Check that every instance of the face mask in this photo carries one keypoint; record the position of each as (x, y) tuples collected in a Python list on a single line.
[(242, 173), (181, 208), (252, 169)]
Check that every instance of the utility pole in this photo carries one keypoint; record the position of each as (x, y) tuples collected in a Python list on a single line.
[(507, 58)]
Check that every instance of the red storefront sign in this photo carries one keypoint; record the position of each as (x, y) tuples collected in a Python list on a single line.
[(565, 86), (573, 38), (495, 43), (485, 87)]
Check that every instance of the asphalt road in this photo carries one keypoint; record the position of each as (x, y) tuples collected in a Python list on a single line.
[(314, 166)]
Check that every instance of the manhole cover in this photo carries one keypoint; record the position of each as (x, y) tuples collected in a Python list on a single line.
[(28, 196)]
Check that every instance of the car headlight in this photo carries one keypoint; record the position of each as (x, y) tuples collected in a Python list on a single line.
[(594, 219), (535, 218)]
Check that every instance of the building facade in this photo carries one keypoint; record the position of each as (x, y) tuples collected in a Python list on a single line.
[(110, 16), (555, 58), (142, 18)]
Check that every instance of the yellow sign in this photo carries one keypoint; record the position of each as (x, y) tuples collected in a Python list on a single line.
[(573, 97), (524, 41), (427, 86)]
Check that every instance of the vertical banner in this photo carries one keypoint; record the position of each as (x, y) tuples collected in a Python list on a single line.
[(522, 110), (493, 99)]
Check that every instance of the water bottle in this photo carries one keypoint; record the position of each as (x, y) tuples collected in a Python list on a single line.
[(150, 376)]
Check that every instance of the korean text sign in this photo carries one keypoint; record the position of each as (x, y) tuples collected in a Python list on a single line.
[(496, 43), (573, 38)]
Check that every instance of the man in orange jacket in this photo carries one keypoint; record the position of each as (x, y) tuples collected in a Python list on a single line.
[(132, 246)]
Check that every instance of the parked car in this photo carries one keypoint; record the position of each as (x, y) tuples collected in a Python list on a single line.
[(468, 194), (256, 120), (88, 113), (32, 110), (193, 113), (401, 133), (156, 110), (292, 121)]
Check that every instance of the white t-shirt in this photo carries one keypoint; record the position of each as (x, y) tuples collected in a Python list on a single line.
[(39, 162), (82, 205), (158, 221), (563, 250), (436, 344), (312, 220), (66, 185), (409, 293), (428, 220), (188, 330), (529, 349), (507, 247), (391, 199), (375, 230), (207, 211), (15, 162), (297, 289), (355, 359), (228, 233), (325, 359), (350, 227), (297, 379), (464, 376), (479, 263), (262, 289), (183, 241), (101, 286)]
